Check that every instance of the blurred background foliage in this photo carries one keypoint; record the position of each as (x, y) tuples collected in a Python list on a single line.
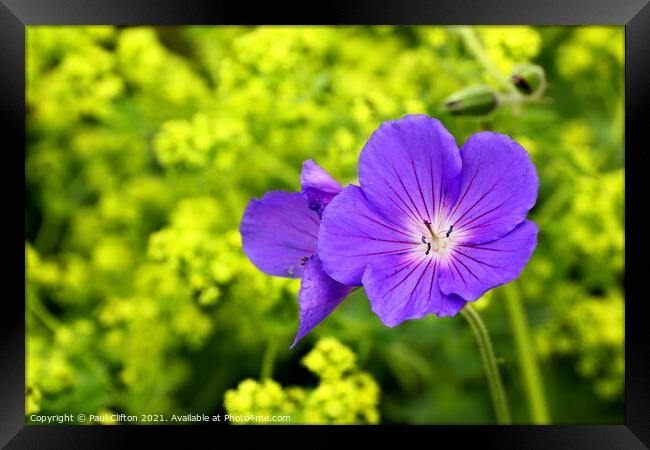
[(145, 145)]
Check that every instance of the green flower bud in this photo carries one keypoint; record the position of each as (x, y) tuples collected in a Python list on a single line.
[(472, 101), (529, 79)]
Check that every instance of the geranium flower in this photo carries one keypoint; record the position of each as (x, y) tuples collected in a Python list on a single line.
[(431, 227), (279, 233)]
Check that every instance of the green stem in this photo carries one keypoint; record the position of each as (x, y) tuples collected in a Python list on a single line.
[(269, 359), (475, 47), (527, 359), (48, 233), (37, 308), (497, 391)]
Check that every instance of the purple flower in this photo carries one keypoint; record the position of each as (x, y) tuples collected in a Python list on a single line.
[(431, 227), (279, 233)]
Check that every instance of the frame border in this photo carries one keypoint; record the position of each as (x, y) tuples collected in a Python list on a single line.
[(15, 15)]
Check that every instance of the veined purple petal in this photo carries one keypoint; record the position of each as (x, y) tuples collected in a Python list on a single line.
[(318, 187), (403, 287), (279, 232), (353, 233), (411, 167), (471, 269), (431, 227), (319, 296), (498, 187)]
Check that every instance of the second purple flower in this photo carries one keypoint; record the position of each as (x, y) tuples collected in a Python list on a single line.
[(279, 233)]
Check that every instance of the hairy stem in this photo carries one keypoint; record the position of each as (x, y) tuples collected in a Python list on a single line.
[(497, 391)]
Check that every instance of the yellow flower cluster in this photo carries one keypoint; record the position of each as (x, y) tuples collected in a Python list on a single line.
[(595, 328), (344, 394), (595, 49), (507, 46)]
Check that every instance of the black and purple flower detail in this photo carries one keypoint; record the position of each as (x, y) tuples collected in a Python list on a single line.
[(430, 227)]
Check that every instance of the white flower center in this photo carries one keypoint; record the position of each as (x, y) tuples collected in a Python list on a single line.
[(439, 243)]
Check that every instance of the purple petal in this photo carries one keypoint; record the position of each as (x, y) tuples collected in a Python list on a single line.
[(278, 231), (318, 187), (452, 304), (472, 269), (319, 296), (498, 188), (403, 287), (411, 167), (352, 234)]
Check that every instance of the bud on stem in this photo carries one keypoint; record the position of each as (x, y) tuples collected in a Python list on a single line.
[(472, 101), (528, 79)]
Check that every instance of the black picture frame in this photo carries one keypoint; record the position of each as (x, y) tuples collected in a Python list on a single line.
[(15, 15)]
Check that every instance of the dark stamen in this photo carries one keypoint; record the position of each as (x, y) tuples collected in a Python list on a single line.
[(303, 260), (428, 248), (451, 228), (424, 240), (428, 225)]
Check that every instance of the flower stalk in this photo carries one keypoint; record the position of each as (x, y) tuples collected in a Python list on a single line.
[(497, 391), (268, 362), (527, 359), (473, 44), (46, 318)]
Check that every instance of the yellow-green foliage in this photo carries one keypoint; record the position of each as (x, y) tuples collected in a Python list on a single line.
[(592, 326), (507, 46), (146, 144), (344, 395)]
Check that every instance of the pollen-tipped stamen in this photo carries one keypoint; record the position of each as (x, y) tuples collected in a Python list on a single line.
[(424, 241), (451, 228)]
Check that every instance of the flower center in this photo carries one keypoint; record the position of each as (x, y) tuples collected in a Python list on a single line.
[(439, 242)]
